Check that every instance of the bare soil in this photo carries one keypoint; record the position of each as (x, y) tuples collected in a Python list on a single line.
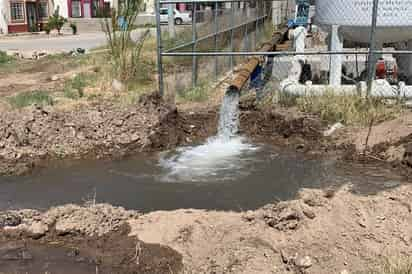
[(322, 231)]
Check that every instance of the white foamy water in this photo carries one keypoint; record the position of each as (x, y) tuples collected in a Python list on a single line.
[(222, 157)]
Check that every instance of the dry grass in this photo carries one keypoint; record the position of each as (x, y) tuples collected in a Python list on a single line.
[(392, 266), (347, 109)]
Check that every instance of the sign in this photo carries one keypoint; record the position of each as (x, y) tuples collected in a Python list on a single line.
[(395, 13)]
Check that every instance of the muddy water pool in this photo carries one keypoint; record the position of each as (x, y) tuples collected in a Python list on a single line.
[(225, 176)]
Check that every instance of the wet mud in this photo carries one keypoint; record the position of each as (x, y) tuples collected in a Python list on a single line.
[(114, 252)]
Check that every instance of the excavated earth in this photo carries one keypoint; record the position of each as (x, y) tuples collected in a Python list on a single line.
[(321, 231), (36, 135)]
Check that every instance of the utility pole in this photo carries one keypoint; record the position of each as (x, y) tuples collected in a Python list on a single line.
[(171, 23), (372, 47)]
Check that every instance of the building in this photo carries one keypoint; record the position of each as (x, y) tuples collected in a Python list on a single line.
[(23, 15), (82, 8)]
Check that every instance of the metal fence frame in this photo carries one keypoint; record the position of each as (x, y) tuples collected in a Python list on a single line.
[(371, 52), (175, 51)]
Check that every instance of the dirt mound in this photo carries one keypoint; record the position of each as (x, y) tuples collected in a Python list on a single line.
[(90, 220), (336, 231), (44, 133)]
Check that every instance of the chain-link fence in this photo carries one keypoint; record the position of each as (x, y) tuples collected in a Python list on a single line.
[(207, 26), (344, 45)]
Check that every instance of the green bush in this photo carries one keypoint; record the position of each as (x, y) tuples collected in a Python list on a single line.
[(47, 29), (37, 97), (56, 21), (4, 58), (73, 26)]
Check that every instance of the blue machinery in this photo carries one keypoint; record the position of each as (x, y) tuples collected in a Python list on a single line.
[(301, 14)]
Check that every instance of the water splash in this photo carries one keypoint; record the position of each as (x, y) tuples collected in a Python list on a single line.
[(222, 157)]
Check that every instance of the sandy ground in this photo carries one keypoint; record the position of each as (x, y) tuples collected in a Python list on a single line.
[(322, 231)]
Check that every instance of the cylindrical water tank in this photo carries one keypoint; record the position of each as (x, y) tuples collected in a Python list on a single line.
[(394, 22)]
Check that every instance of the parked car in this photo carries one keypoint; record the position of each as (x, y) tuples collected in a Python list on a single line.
[(180, 17)]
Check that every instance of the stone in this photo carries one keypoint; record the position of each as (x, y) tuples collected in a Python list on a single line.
[(308, 212), (118, 86), (304, 262), (9, 219), (289, 214), (249, 216), (344, 272), (55, 77), (333, 129), (38, 230)]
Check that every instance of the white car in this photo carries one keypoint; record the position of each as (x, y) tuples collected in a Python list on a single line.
[(180, 17)]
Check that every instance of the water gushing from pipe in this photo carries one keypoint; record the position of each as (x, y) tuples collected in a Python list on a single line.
[(222, 157)]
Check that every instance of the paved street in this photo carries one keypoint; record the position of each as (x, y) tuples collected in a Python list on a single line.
[(62, 43)]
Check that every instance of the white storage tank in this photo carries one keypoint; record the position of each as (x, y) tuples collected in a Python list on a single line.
[(354, 17)]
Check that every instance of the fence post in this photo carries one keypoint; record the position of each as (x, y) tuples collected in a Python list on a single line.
[(256, 23), (232, 23), (171, 20), (215, 37), (372, 47), (194, 38), (159, 48)]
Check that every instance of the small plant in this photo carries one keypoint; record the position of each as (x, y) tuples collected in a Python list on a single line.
[(56, 21), (73, 26), (195, 94), (37, 97), (4, 58), (74, 88)]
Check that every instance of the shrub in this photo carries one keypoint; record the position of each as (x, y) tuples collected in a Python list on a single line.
[(47, 29), (37, 97), (4, 58), (73, 26), (56, 21), (125, 53)]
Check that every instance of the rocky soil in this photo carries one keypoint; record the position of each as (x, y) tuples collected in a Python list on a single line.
[(37, 134)]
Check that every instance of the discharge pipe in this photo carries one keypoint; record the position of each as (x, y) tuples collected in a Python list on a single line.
[(243, 74), (380, 88)]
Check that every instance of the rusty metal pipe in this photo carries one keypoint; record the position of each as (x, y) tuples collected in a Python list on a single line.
[(243, 74)]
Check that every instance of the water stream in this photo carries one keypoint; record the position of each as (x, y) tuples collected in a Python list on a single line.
[(221, 158)]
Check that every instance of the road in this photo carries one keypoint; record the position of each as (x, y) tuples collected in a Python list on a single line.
[(62, 43), (58, 43)]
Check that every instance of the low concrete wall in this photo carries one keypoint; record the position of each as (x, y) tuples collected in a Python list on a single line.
[(145, 19)]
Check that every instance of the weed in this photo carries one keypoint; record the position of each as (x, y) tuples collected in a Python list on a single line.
[(348, 109), (74, 88), (199, 93), (5, 59), (392, 266), (37, 97)]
